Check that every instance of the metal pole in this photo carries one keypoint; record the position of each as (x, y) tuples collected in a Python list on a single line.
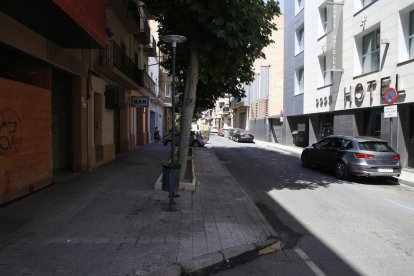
[(173, 109)]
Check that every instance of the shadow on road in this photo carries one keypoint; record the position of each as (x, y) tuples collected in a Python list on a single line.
[(260, 170)]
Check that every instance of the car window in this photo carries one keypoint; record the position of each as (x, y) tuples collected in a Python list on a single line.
[(336, 143), (347, 144), (375, 146), (324, 143)]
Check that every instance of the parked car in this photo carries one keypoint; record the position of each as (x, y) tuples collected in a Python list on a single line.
[(242, 135), (197, 139), (231, 131), (353, 156), (213, 130)]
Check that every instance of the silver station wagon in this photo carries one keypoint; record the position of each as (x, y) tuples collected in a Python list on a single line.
[(353, 156)]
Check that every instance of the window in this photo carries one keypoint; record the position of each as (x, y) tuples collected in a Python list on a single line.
[(347, 144), (300, 40), (367, 2), (298, 6), (323, 11), (326, 74), (168, 90), (299, 81), (371, 51), (411, 36)]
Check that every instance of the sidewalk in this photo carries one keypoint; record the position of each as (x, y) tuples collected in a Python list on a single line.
[(406, 177), (111, 221)]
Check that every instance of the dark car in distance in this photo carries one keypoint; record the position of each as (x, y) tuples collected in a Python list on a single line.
[(197, 139), (353, 156), (242, 135)]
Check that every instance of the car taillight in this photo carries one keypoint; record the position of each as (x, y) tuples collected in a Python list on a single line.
[(396, 157), (364, 156)]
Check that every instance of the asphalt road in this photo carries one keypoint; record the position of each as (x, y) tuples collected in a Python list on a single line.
[(329, 227)]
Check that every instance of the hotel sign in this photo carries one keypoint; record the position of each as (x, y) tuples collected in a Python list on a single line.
[(334, 36)]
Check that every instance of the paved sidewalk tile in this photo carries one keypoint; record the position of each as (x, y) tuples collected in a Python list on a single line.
[(111, 221)]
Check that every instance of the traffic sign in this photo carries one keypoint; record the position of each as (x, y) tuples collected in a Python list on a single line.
[(390, 96), (390, 111)]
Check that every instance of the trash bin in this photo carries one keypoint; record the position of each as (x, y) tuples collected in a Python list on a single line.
[(170, 174)]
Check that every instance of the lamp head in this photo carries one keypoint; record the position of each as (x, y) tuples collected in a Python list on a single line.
[(174, 39)]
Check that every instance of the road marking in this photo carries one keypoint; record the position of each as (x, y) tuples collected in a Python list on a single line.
[(408, 186), (309, 262), (396, 203)]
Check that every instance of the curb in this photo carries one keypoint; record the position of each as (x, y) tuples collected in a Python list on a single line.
[(224, 259)]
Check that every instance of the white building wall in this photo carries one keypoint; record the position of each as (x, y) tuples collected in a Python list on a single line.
[(390, 16)]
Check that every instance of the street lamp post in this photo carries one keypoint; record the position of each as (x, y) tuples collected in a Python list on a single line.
[(173, 39)]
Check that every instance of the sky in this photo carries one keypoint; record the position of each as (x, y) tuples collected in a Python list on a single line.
[(282, 5)]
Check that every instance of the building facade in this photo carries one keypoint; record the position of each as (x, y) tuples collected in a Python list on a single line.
[(262, 108), (348, 70), (69, 102)]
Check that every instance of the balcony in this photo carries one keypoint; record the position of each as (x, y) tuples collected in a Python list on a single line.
[(223, 111), (144, 34), (114, 64), (55, 20), (236, 103), (151, 49)]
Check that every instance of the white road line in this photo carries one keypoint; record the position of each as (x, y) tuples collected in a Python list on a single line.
[(309, 262), (396, 203)]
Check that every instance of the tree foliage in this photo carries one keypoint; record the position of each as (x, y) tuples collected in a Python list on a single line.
[(224, 39), (230, 36)]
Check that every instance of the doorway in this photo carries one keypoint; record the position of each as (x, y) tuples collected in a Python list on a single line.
[(97, 129), (411, 140), (117, 130), (61, 120)]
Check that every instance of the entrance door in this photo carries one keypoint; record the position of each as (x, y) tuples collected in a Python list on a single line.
[(61, 120), (411, 141), (117, 130), (97, 129), (152, 124)]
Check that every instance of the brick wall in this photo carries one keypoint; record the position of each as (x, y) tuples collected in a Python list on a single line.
[(25, 139)]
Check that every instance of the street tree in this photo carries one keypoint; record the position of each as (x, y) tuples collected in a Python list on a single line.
[(224, 40)]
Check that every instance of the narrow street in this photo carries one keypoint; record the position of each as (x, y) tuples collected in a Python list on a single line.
[(330, 227)]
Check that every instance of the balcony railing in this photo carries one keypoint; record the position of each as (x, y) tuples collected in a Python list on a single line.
[(145, 31), (148, 82), (112, 55)]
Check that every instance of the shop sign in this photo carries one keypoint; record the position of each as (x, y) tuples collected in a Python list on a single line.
[(139, 102)]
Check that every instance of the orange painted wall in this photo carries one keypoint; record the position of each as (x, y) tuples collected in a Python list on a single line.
[(25, 139)]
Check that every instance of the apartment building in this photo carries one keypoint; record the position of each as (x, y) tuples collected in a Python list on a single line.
[(349, 70), (262, 108), (75, 87)]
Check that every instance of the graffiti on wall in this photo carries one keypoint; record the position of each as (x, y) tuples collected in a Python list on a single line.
[(10, 132)]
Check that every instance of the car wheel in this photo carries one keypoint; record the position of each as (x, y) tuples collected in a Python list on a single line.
[(196, 144), (305, 161), (341, 171), (167, 143)]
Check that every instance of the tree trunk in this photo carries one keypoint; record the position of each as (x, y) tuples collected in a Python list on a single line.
[(188, 107)]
